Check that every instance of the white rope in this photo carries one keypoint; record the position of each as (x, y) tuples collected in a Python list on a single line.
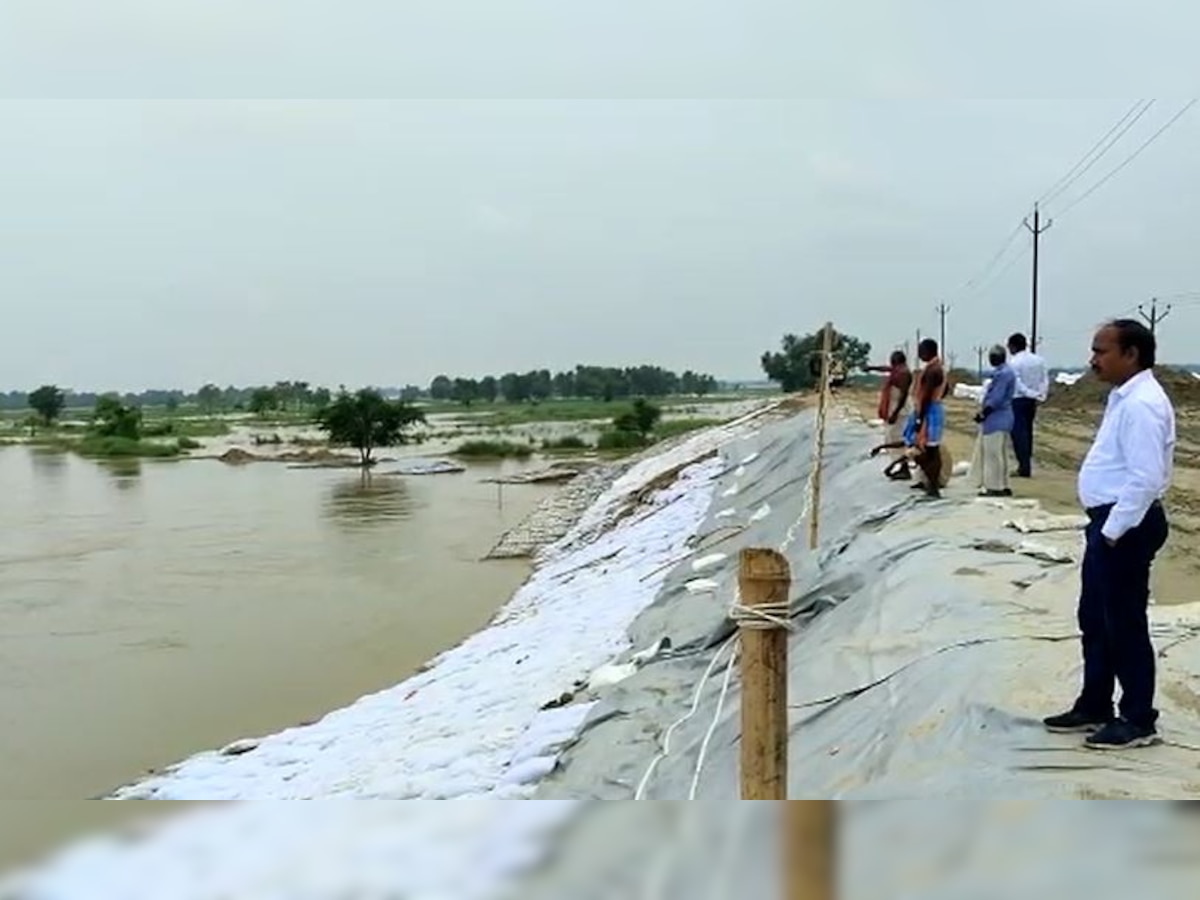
[(712, 726), (639, 794), (765, 617)]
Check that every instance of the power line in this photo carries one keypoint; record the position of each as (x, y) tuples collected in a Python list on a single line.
[(942, 310), (1075, 172), (975, 279), (1154, 316), (1134, 155), (1036, 229)]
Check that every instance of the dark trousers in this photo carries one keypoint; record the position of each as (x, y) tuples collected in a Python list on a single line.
[(1024, 412), (1113, 618)]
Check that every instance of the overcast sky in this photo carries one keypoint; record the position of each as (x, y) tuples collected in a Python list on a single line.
[(566, 215)]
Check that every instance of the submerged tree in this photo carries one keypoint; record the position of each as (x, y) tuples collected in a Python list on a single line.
[(365, 420), (48, 402), (112, 418)]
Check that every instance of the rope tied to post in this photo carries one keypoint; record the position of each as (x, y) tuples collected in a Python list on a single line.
[(763, 617)]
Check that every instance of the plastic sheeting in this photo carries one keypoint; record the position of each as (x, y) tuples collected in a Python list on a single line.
[(900, 851), (941, 641)]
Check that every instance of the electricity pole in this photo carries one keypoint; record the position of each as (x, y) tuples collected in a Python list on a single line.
[(979, 351), (941, 311), (1154, 316), (1036, 230)]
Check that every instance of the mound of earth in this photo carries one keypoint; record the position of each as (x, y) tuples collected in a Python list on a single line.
[(323, 454), (237, 456), (1089, 392)]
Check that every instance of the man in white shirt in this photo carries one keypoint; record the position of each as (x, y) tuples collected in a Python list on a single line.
[(1033, 386), (1121, 485)]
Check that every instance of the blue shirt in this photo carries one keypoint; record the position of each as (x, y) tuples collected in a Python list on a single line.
[(998, 400)]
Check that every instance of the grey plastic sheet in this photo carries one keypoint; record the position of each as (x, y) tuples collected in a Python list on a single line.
[(929, 650), (894, 850)]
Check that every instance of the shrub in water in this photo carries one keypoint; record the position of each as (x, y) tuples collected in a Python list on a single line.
[(616, 439), (493, 449)]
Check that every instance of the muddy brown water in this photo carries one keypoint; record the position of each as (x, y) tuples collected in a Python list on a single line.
[(152, 610)]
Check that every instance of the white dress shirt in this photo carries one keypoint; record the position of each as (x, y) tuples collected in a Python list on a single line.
[(1132, 458), (1033, 380)]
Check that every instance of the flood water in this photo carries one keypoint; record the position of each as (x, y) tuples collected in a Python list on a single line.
[(155, 609)]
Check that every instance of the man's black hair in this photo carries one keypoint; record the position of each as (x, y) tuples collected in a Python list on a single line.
[(899, 358), (929, 346), (1132, 334), (1017, 342)]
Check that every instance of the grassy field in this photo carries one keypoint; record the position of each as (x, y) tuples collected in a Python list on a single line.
[(501, 414), (171, 433)]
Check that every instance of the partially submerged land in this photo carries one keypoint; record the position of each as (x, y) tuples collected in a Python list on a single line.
[(931, 637), (481, 431)]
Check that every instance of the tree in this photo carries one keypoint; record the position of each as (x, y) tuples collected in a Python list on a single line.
[(321, 398), (515, 388), (365, 420), (441, 388), (209, 398), (541, 385), (112, 418), (640, 420), (464, 391), (48, 402), (489, 389), (793, 368), (264, 399)]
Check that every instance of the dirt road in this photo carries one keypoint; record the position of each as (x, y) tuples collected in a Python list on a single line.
[(1062, 435)]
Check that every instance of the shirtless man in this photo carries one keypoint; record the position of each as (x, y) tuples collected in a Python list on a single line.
[(929, 416)]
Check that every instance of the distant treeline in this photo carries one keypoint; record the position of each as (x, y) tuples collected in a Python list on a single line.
[(590, 382), (585, 382), (281, 396)]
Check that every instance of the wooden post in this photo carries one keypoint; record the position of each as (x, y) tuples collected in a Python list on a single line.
[(819, 437), (764, 578), (809, 849)]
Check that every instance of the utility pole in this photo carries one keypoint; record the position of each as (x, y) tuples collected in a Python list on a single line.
[(941, 311), (1037, 229), (979, 351), (1154, 316)]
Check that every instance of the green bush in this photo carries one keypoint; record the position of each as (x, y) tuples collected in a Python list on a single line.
[(161, 428), (615, 439), (187, 443), (493, 450), (569, 442), (116, 447)]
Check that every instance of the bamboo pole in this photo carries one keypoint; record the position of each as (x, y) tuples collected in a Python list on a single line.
[(819, 436), (764, 579), (810, 849)]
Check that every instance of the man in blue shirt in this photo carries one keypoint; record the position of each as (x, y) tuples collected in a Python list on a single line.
[(995, 420)]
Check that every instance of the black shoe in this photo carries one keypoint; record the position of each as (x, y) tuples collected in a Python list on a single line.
[(1074, 722), (1121, 735)]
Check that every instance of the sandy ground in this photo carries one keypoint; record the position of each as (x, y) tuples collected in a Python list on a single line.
[(1061, 439)]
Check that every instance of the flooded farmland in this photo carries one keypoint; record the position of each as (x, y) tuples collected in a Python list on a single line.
[(152, 609)]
